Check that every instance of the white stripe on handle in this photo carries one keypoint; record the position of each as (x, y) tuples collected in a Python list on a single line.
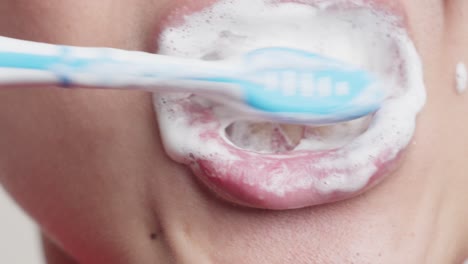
[(22, 76), (28, 47)]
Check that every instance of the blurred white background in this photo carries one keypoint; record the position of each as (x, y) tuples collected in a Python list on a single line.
[(19, 239)]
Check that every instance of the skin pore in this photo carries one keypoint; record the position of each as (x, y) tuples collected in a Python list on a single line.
[(89, 166)]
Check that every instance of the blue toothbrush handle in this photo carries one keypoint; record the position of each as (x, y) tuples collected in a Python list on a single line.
[(67, 66), (306, 86)]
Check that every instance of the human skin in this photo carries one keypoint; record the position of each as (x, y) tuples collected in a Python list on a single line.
[(89, 166)]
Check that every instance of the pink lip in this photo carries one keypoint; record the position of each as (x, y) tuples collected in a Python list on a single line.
[(247, 177), (281, 181), (231, 185)]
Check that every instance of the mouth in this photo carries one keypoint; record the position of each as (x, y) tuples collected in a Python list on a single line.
[(280, 166)]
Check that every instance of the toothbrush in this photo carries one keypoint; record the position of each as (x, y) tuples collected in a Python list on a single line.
[(276, 83)]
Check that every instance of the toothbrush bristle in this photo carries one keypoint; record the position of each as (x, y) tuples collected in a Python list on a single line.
[(324, 87), (342, 89), (307, 86), (271, 81), (289, 83)]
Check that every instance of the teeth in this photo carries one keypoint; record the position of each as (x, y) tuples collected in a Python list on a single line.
[(265, 137), (333, 136), (280, 138), (292, 133)]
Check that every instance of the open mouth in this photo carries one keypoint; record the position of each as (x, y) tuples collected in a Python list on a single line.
[(279, 166), (277, 138)]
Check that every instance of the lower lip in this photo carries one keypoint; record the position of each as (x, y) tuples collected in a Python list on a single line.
[(194, 133)]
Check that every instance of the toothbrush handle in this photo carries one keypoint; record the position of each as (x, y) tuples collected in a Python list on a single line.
[(26, 62)]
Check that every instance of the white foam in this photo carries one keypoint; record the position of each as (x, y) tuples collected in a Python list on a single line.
[(361, 36), (461, 78)]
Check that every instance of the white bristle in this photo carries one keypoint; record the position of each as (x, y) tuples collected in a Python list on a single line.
[(307, 85), (342, 89), (289, 83), (324, 87), (271, 81)]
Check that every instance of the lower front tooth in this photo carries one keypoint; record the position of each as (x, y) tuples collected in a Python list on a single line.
[(292, 133)]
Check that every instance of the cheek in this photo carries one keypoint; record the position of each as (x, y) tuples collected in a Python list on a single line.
[(120, 23)]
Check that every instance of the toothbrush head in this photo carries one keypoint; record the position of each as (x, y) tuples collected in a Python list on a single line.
[(298, 87)]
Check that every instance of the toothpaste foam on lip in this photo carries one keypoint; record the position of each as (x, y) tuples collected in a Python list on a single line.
[(232, 28), (357, 35)]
